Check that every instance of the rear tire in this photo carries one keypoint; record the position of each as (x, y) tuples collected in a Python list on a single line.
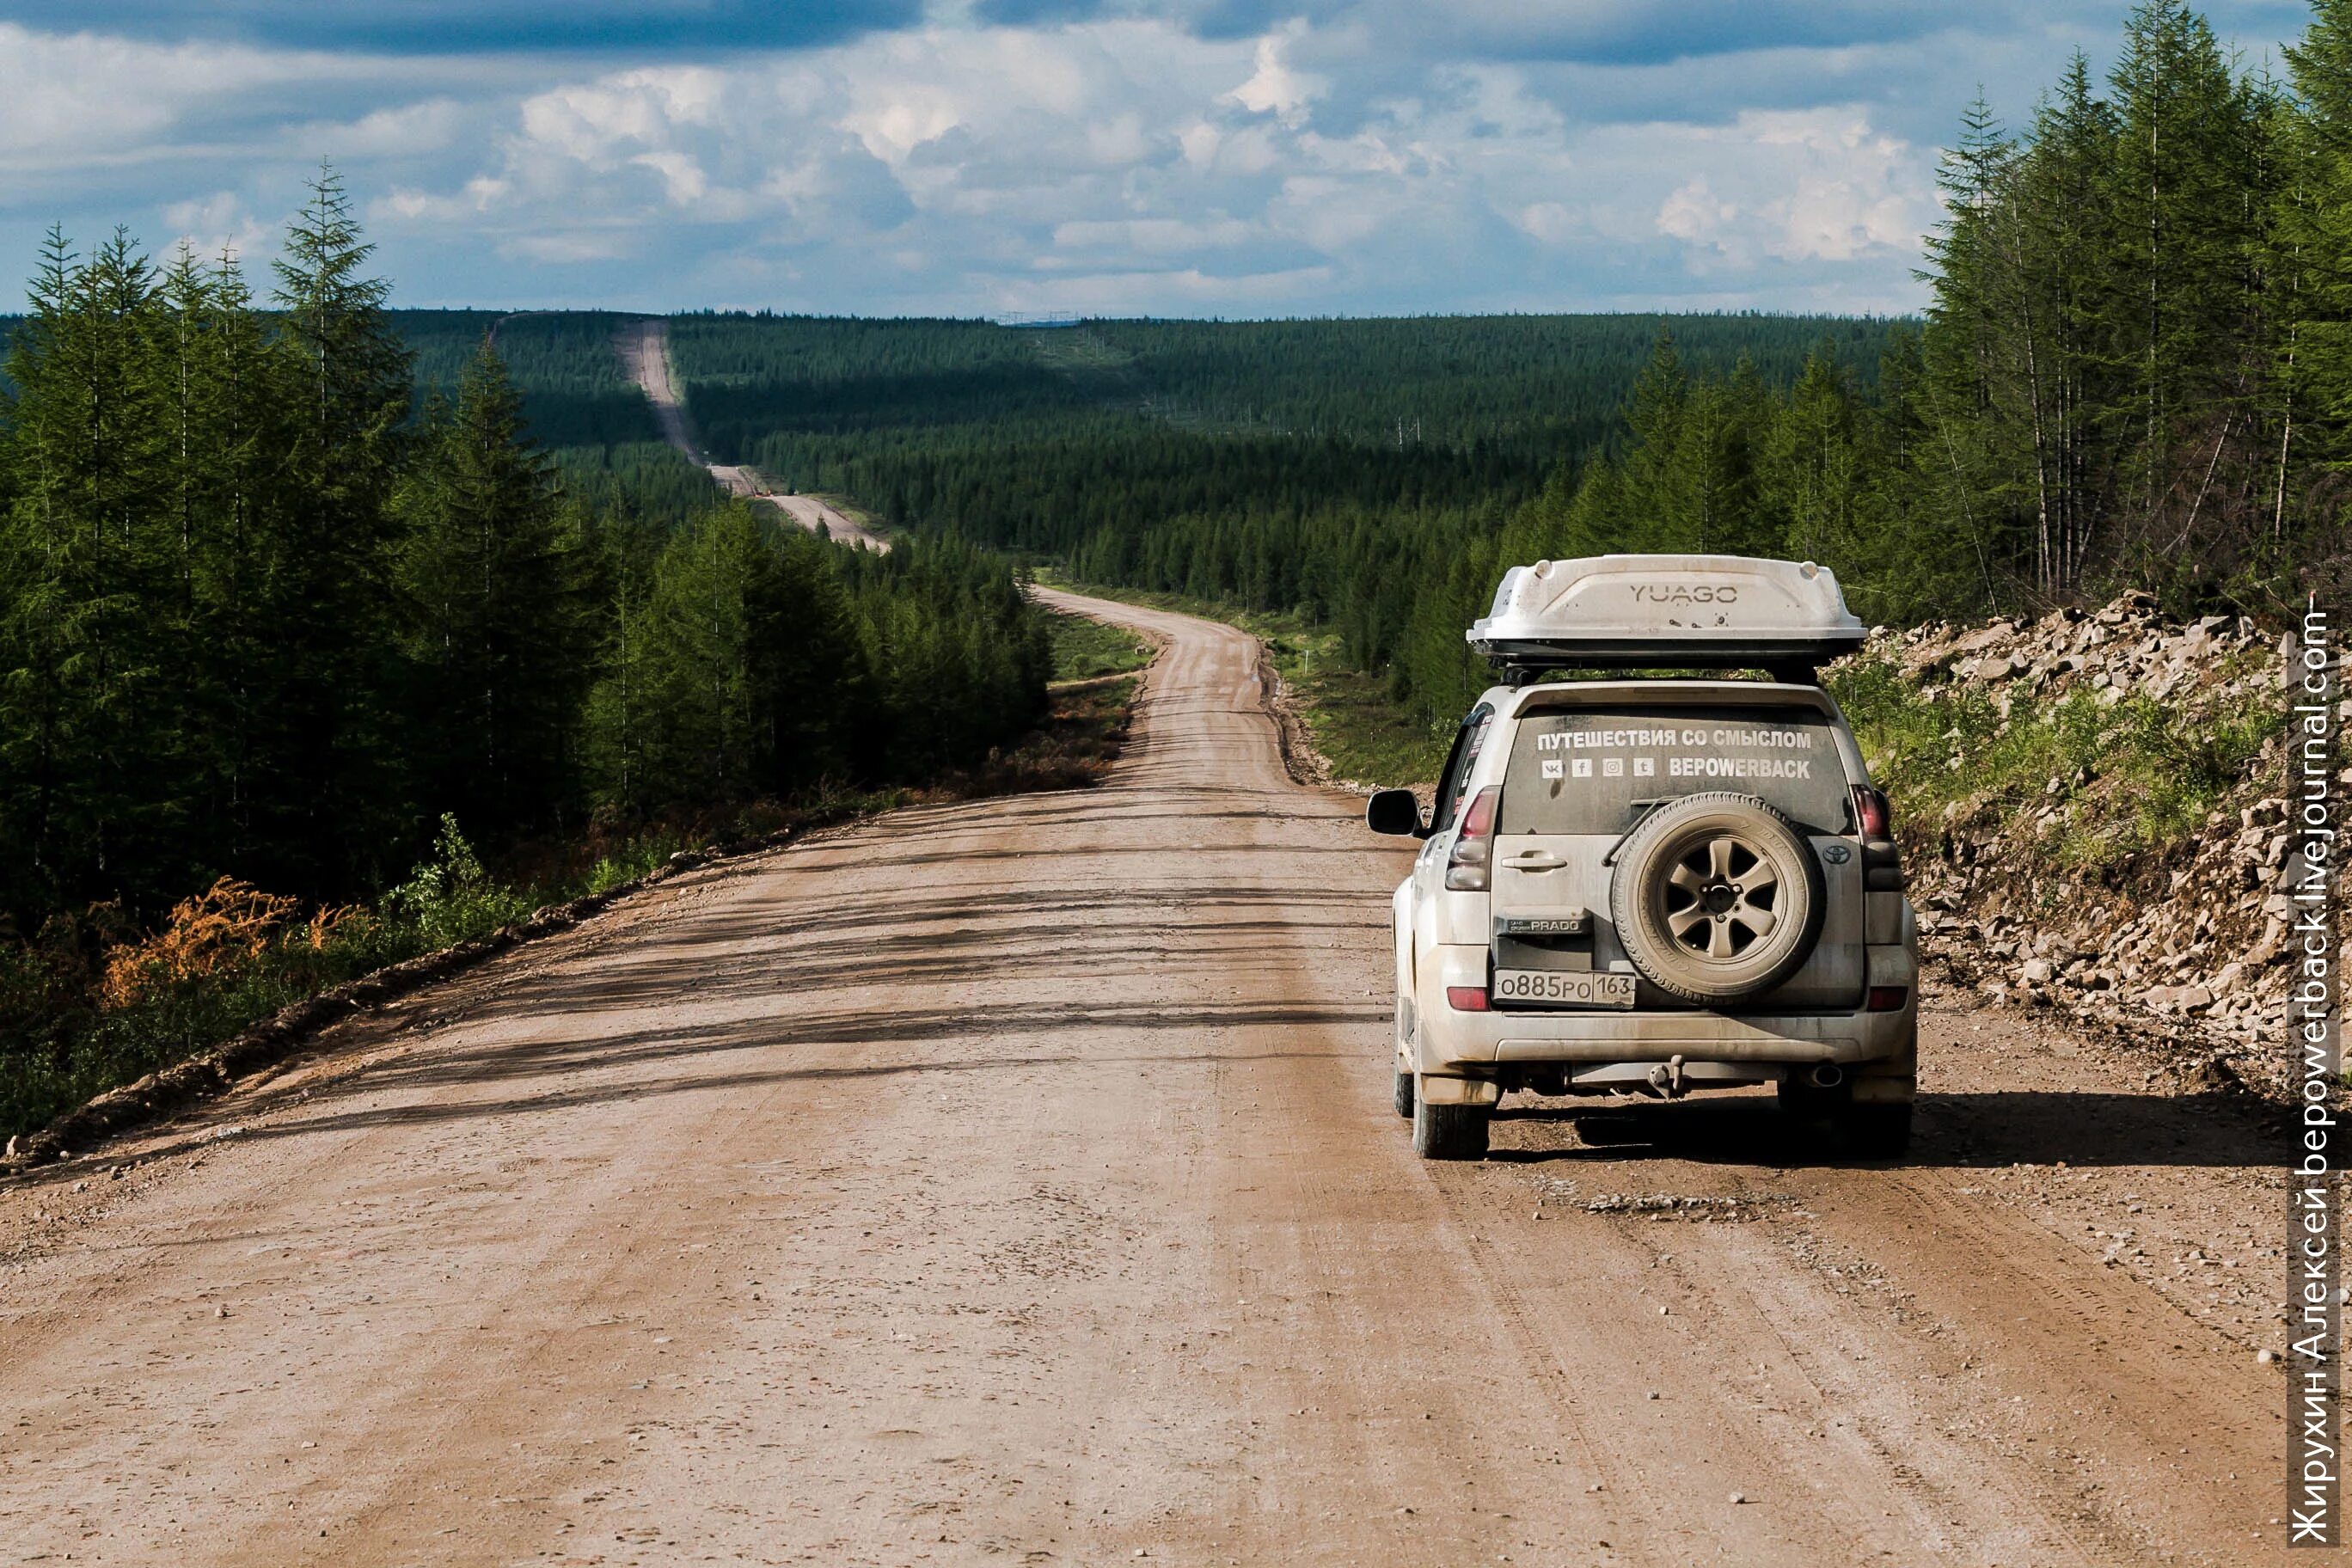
[(1449, 1132), (1404, 1095)]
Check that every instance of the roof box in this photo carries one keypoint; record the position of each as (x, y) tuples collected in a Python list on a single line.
[(1714, 611)]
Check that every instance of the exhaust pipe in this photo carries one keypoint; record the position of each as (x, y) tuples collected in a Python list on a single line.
[(1828, 1075)]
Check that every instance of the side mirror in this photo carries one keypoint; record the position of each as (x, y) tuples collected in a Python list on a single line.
[(1393, 812)]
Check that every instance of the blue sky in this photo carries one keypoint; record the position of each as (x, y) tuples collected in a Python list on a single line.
[(1182, 157)]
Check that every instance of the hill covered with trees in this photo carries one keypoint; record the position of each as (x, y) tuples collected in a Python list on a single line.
[(1340, 468), (578, 403)]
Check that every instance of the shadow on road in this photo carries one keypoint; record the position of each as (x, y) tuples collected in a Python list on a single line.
[(1953, 1132)]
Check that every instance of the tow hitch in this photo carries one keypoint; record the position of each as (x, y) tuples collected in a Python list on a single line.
[(1665, 1079)]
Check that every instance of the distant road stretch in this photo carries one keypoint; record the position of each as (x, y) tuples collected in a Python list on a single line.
[(643, 347)]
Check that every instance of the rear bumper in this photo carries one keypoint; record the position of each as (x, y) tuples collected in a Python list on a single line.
[(1479, 1044)]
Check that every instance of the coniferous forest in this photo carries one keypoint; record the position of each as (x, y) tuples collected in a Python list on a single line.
[(276, 596)]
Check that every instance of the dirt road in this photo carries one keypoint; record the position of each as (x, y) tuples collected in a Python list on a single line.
[(643, 347), (1016, 1182)]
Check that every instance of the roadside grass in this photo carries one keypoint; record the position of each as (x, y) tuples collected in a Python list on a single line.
[(91, 1003), (2099, 784), (1366, 736), (1081, 737), (1088, 649), (849, 509)]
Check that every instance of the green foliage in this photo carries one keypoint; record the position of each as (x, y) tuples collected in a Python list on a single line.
[(1526, 387), (1369, 478), (578, 403), (576, 391), (760, 660), (500, 637), (266, 611), (2116, 779), (1087, 650), (59, 1047), (2131, 368), (452, 896)]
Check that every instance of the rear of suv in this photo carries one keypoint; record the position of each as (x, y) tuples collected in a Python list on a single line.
[(1656, 886)]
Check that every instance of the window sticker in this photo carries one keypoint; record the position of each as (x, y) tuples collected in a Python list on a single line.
[(1585, 771)]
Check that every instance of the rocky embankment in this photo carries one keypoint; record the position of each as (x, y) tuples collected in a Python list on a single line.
[(2094, 808)]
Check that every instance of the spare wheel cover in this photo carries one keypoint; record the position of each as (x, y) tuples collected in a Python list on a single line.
[(1716, 898)]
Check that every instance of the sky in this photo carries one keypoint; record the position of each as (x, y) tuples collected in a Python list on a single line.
[(1235, 158)]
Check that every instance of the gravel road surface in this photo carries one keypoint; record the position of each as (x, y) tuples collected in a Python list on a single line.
[(1015, 1182)]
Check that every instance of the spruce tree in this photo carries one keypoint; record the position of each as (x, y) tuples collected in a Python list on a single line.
[(327, 771), (500, 639), (2180, 168)]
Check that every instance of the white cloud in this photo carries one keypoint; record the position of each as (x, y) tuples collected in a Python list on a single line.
[(1097, 163), (564, 248), (402, 131), (1154, 237), (216, 225), (1384, 156), (1817, 186), (1692, 213), (77, 97), (1274, 88)]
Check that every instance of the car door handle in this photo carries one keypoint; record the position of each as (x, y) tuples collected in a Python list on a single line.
[(1535, 861)]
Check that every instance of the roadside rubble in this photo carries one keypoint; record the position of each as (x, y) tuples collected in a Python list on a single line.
[(2185, 942)]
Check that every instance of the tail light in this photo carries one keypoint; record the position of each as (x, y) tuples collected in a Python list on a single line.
[(1886, 999), (1466, 998), (1873, 813), (1473, 846)]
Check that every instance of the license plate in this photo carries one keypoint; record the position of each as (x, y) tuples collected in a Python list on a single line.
[(1564, 988)]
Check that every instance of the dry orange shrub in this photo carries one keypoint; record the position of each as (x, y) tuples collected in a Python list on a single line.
[(228, 923)]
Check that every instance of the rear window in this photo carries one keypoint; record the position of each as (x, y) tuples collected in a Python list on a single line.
[(1595, 770)]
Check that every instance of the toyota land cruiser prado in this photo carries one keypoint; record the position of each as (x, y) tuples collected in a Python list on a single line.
[(1655, 884)]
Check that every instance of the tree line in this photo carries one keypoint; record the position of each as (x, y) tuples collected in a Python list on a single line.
[(1528, 388), (268, 609), (1344, 469)]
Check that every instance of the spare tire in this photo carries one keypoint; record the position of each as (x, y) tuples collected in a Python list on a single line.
[(1717, 897)]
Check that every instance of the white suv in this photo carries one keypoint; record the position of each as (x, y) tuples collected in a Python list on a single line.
[(1654, 886)]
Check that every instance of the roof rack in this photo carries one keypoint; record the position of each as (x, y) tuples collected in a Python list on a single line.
[(1713, 612)]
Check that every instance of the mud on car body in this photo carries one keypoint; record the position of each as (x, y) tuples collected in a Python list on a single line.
[(1655, 884)]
